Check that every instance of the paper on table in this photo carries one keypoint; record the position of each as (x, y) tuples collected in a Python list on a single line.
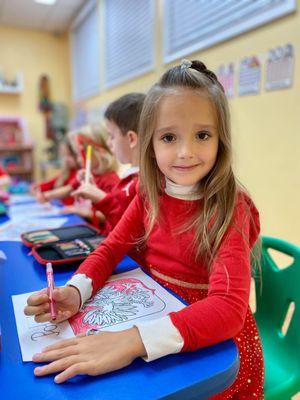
[(11, 230), (33, 337), (125, 299), (18, 211), (21, 199)]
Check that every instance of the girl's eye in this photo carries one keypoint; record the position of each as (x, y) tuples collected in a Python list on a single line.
[(168, 138), (203, 135)]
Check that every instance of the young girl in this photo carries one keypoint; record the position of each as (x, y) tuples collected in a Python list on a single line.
[(191, 227), (103, 168), (4, 178), (69, 168)]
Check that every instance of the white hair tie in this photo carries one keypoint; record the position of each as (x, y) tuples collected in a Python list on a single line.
[(185, 64)]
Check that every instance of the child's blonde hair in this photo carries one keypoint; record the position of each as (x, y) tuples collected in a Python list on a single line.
[(98, 135), (219, 187)]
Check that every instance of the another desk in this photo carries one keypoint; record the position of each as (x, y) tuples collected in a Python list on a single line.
[(196, 375)]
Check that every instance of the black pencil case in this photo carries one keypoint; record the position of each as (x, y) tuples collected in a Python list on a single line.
[(66, 252), (43, 236)]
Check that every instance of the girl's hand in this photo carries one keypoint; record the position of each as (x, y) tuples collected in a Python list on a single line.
[(34, 187), (81, 176), (89, 191), (41, 197), (67, 303), (91, 355), (68, 210), (81, 211)]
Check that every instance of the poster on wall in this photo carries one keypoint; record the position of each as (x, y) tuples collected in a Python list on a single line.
[(225, 75), (249, 76), (280, 67)]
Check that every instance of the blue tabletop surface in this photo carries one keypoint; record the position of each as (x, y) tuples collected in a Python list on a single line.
[(197, 375)]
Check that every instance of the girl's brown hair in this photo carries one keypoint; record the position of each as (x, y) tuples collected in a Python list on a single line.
[(219, 187)]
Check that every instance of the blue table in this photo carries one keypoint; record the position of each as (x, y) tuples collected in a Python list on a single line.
[(196, 375)]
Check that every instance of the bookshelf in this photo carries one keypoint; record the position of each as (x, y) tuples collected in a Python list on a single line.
[(16, 152)]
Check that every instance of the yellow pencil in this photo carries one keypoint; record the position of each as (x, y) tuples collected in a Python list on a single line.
[(88, 163)]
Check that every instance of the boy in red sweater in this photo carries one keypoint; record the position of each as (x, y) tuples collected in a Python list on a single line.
[(122, 118)]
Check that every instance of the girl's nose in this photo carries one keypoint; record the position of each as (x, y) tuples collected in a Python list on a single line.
[(185, 150)]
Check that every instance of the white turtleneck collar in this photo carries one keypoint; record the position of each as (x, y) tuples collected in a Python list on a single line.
[(182, 192)]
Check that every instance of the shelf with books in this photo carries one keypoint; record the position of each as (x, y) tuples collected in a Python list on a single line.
[(16, 151)]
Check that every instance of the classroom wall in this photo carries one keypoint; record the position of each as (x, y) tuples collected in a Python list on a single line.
[(265, 126), (34, 53)]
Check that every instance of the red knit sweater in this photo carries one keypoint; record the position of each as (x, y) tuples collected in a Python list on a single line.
[(106, 181), (49, 185), (2, 171), (114, 204), (221, 313)]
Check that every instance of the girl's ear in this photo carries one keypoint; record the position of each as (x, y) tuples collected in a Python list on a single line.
[(132, 138)]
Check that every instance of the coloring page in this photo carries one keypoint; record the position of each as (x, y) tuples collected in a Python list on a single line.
[(125, 300)]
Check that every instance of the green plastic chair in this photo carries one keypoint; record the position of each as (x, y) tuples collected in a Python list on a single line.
[(275, 290)]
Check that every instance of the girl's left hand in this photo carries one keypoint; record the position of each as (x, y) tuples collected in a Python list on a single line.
[(81, 212), (92, 355), (89, 191)]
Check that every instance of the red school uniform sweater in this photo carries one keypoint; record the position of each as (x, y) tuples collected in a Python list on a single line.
[(114, 204), (215, 313), (2, 171), (49, 185)]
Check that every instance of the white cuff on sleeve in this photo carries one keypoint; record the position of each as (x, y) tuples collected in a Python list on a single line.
[(83, 284), (157, 345)]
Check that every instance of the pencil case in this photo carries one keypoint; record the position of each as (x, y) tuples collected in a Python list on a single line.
[(43, 236), (66, 251)]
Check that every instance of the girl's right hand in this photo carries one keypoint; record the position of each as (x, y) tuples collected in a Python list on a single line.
[(34, 187), (41, 197), (80, 176), (67, 303)]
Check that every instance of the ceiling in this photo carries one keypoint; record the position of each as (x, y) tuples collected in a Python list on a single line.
[(29, 14)]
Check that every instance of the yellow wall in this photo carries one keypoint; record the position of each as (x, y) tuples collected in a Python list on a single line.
[(34, 53), (265, 127)]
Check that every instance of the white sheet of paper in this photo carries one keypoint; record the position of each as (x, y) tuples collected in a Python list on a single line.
[(33, 337), (18, 211), (21, 199), (11, 230), (125, 299)]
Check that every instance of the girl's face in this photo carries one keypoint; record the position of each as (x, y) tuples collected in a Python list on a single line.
[(186, 140), (68, 159)]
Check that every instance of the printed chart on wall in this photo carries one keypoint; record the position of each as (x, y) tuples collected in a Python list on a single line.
[(249, 76), (126, 299), (280, 67), (225, 75)]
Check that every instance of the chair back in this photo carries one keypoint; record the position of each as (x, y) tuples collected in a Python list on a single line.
[(276, 290)]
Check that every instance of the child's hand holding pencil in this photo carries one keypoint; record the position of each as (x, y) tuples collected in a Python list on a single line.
[(67, 303)]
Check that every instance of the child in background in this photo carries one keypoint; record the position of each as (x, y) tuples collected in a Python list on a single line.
[(69, 168), (4, 178), (122, 118), (103, 168), (191, 226)]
